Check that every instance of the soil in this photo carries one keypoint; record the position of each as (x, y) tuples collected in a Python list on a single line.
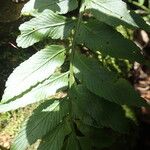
[(142, 85), (141, 82)]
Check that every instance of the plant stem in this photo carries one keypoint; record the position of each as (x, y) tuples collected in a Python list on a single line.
[(73, 47), (71, 70), (140, 6)]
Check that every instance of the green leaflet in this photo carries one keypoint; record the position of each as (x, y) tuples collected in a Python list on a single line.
[(78, 113), (44, 119), (42, 91), (34, 71), (55, 139), (85, 143), (98, 36), (105, 83), (78, 143), (105, 113), (72, 143), (141, 1), (60, 6), (99, 137), (95, 97), (47, 24), (114, 13)]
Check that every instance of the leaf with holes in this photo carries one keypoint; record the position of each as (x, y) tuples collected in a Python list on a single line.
[(114, 13), (47, 24)]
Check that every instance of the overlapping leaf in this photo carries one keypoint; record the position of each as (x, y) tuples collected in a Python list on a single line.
[(106, 84), (55, 139), (78, 143), (78, 113), (105, 113), (33, 71), (47, 24), (41, 92), (60, 6), (114, 13), (44, 119), (94, 101), (99, 137), (100, 37)]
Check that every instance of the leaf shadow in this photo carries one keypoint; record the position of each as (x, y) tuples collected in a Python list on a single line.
[(45, 118)]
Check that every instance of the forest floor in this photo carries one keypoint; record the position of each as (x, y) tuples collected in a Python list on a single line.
[(142, 85), (10, 122)]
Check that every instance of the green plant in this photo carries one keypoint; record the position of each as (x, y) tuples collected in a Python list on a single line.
[(91, 98), (143, 8), (140, 4)]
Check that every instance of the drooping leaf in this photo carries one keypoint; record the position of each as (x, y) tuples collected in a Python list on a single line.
[(105, 113), (98, 36), (42, 91), (60, 6), (114, 13), (43, 120), (105, 83), (47, 24), (33, 71), (54, 140)]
